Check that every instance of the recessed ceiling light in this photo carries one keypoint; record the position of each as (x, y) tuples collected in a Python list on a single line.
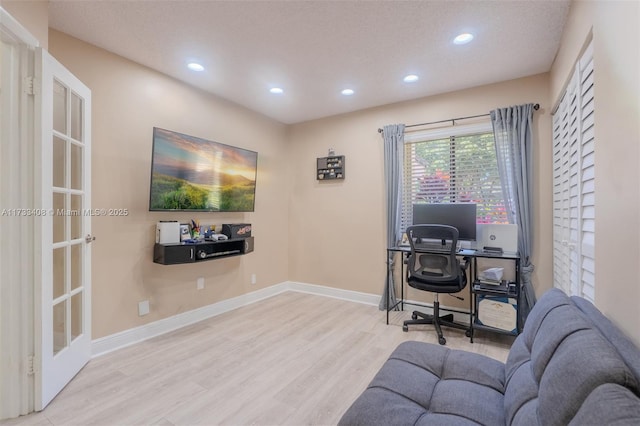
[(411, 78), (463, 38), (348, 92), (194, 66), (276, 90)]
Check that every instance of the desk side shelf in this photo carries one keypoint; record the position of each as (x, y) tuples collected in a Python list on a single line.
[(501, 302)]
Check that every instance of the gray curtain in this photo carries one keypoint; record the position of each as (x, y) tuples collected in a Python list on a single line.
[(393, 135), (512, 128)]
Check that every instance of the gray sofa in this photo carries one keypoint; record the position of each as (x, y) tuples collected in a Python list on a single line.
[(570, 366)]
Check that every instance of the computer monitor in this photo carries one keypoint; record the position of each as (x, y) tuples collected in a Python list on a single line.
[(458, 215)]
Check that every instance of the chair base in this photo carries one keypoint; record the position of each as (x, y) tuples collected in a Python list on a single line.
[(437, 321)]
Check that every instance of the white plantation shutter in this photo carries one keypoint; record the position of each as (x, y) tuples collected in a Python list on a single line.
[(561, 252), (453, 169), (574, 185), (587, 247)]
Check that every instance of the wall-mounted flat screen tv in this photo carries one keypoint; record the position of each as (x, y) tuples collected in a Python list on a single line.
[(194, 174)]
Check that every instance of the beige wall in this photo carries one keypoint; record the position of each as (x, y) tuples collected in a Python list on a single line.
[(337, 229), (128, 100), (616, 41), (33, 15)]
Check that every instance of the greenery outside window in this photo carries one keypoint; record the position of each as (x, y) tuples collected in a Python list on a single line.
[(460, 168)]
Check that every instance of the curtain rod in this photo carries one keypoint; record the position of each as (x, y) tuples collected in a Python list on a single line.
[(453, 120)]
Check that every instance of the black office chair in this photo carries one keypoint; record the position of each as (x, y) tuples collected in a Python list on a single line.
[(434, 266)]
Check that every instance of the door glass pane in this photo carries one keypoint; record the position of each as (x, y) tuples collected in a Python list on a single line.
[(59, 320), (75, 216), (76, 266), (76, 166), (59, 265), (59, 217), (59, 107), (59, 162), (76, 117), (76, 315)]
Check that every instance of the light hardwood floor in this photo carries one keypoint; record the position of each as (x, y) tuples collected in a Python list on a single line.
[(293, 359)]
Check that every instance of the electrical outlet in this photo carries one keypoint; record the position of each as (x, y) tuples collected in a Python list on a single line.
[(143, 308), (253, 278), (200, 283)]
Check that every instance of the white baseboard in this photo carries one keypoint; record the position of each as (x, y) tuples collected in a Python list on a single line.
[(336, 293), (104, 345)]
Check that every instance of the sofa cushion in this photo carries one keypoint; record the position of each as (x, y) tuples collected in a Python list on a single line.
[(624, 407), (625, 347), (557, 362), (422, 383)]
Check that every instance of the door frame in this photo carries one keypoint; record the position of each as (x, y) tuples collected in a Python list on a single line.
[(17, 243)]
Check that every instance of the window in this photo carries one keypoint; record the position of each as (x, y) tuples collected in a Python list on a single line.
[(459, 168)]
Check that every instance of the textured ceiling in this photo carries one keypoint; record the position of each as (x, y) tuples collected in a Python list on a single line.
[(314, 49)]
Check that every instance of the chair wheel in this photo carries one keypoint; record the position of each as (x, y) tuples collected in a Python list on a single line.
[(405, 328), (414, 317), (442, 340), (467, 333)]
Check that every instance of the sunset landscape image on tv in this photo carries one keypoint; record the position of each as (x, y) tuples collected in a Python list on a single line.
[(189, 173)]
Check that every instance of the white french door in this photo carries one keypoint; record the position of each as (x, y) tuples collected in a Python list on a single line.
[(63, 175)]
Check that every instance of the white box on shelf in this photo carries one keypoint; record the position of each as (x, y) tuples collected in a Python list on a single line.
[(492, 274), (168, 232)]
